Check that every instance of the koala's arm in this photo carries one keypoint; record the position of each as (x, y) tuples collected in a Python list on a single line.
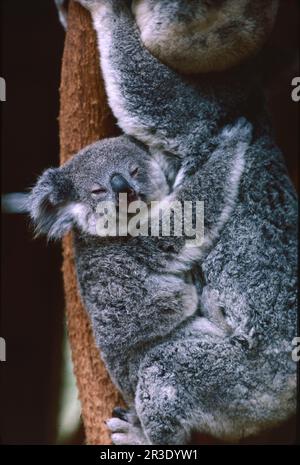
[(216, 183), (149, 100)]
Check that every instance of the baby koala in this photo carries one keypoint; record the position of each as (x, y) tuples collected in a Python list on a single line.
[(136, 297)]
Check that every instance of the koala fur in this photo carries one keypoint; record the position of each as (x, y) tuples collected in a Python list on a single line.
[(205, 35), (133, 295), (200, 36), (230, 372)]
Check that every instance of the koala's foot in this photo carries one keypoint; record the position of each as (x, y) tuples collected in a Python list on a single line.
[(126, 428), (91, 4)]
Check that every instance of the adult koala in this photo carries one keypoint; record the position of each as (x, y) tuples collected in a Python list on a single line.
[(236, 385), (200, 35)]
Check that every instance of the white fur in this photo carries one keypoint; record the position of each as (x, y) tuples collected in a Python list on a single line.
[(84, 218), (205, 326)]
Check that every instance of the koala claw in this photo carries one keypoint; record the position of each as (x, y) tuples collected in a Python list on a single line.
[(120, 413)]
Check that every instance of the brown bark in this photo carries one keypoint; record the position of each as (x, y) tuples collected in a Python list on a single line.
[(84, 118)]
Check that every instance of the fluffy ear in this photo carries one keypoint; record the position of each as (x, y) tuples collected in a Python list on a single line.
[(50, 204)]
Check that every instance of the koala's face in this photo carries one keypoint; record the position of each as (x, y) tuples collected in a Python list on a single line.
[(70, 195)]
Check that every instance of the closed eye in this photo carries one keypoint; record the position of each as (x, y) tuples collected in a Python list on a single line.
[(96, 190), (134, 172)]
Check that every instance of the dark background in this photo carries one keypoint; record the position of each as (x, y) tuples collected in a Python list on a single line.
[(32, 295)]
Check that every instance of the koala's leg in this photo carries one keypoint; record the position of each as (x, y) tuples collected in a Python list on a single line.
[(149, 100), (221, 389)]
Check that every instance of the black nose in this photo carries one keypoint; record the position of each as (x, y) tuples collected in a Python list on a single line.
[(120, 185)]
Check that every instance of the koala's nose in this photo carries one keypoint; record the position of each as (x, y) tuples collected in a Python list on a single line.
[(120, 185)]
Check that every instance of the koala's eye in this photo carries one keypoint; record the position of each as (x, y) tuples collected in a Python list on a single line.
[(97, 190), (134, 172)]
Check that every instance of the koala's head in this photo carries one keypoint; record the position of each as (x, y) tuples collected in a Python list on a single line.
[(202, 36), (70, 195)]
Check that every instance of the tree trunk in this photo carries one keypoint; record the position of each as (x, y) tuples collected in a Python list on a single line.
[(84, 118)]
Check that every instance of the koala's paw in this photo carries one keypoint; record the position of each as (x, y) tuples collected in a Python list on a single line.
[(126, 429)]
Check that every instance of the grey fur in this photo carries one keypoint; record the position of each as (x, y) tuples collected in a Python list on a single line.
[(226, 368), (204, 35), (235, 384), (200, 35)]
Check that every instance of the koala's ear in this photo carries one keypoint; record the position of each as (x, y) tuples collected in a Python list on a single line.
[(50, 204)]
